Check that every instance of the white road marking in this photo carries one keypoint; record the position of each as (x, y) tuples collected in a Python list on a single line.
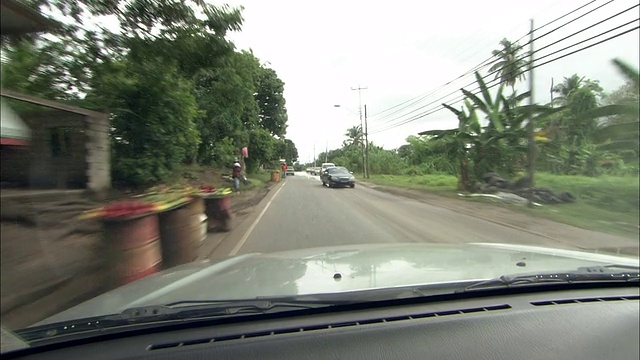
[(255, 223)]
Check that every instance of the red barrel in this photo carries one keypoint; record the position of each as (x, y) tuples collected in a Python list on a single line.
[(135, 248)]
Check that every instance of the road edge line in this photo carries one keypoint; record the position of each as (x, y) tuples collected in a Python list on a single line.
[(244, 238)]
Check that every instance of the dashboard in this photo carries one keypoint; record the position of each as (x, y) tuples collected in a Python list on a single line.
[(568, 324)]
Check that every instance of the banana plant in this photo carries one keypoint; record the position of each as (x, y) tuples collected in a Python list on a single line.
[(461, 140), (625, 134)]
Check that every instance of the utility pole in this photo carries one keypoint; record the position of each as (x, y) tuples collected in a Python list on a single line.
[(314, 155), (359, 89), (326, 152), (532, 144), (366, 143), (551, 92)]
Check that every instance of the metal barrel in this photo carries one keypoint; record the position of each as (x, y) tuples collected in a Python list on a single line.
[(219, 214), (135, 250), (198, 219), (182, 231)]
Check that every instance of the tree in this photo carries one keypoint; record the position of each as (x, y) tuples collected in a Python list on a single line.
[(225, 97), (287, 150), (570, 85), (270, 97), (219, 100), (578, 95), (153, 113), (461, 140), (354, 137), (509, 66), (621, 131)]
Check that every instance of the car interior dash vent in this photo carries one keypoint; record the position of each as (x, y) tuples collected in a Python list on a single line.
[(583, 300), (305, 329)]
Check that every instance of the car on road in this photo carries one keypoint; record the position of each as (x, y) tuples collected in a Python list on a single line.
[(290, 171), (338, 176), (327, 165)]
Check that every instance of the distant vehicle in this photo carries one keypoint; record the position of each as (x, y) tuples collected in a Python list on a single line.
[(338, 176), (290, 171), (324, 167)]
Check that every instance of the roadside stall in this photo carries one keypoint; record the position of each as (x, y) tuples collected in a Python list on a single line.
[(159, 229)]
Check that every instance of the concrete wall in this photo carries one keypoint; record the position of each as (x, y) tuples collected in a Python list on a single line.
[(98, 154), (38, 165)]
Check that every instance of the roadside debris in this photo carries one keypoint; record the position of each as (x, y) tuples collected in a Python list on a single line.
[(517, 192)]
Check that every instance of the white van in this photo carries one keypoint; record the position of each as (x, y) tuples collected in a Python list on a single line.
[(326, 166)]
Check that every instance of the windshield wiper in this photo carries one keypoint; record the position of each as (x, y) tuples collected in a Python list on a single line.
[(201, 308), (181, 310), (596, 274)]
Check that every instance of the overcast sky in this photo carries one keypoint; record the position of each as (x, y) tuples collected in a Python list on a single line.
[(406, 48)]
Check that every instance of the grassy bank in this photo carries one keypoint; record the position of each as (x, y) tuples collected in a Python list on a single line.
[(257, 180), (606, 203), (197, 175), (441, 184)]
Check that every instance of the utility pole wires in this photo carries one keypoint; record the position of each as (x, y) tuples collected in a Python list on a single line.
[(359, 90), (532, 143)]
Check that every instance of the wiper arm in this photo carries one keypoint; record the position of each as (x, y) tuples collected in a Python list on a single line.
[(203, 308), (181, 310), (581, 275)]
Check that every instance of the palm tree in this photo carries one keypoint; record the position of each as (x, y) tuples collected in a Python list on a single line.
[(354, 135), (509, 66), (570, 85)]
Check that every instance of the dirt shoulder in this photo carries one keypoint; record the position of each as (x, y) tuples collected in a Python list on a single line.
[(503, 215), (51, 262)]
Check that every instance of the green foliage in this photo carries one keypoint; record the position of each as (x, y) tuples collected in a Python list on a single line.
[(509, 65), (176, 88), (150, 142)]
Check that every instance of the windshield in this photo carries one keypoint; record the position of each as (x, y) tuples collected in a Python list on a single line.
[(338, 171), (157, 153)]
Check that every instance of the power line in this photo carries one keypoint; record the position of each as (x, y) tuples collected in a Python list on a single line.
[(569, 22), (522, 57), (484, 63), (561, 17), (535, 66), (481, 64)]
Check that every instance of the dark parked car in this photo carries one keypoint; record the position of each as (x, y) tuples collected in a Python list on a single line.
[(338, 176)]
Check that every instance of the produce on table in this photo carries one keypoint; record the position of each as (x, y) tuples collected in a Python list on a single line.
[(156, 200)]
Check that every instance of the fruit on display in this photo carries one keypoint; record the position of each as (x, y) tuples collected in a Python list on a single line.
[(127, 208), (207, 188), (157, 199)]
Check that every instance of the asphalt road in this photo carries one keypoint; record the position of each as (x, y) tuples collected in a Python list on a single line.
[(302, 214)]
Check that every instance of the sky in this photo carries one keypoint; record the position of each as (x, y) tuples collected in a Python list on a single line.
[(403, 49)]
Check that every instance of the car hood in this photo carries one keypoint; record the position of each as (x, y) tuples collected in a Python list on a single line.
[(312, 271)]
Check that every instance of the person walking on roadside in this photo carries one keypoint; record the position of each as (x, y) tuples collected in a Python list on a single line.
[(284, 170), (237, 170)]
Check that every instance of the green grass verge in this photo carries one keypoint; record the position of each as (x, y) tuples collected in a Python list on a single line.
[(606, 203), (257, 180), (441, 184)]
